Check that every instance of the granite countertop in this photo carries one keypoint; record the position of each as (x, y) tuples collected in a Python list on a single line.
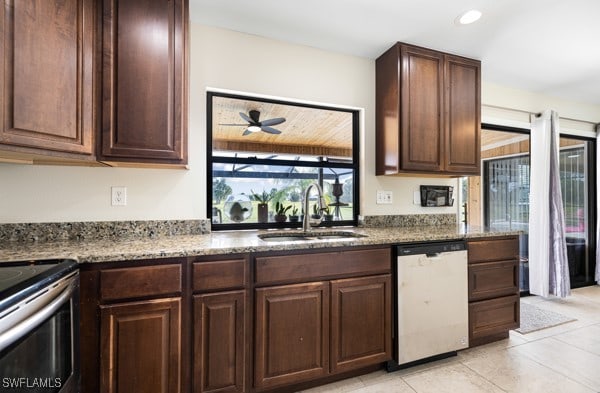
[(227, 242)]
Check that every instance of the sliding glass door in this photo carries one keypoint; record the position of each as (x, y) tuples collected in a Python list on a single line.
[(577, 189), (507, 193), (499, 199)]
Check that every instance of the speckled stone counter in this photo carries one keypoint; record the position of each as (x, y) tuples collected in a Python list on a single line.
[(100, 230), (90, 251)]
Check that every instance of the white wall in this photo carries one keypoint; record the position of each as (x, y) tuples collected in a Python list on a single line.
[(263, 66), (230, 60)]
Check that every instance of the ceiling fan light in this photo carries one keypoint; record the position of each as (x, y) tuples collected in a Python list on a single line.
[(254, 128), (469, 17)]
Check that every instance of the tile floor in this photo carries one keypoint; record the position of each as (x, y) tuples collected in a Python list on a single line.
[(564, 358)]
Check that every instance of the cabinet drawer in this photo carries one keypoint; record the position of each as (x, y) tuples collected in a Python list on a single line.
[(493, 279), (490, 317), (219, 275), (306, 267), (493, 249), (140, 282)]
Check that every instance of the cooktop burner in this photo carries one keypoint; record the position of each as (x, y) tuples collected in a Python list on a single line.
[(12, 275), (18, 276), (9, 273)]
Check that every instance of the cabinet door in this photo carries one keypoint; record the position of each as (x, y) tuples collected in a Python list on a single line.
[(361, 312), (292, 334), (493, 279), (140, 347), (463, 115), (494, 249), (219, 342), (46, 87), (144, 113), (493, 317), (422, 73)]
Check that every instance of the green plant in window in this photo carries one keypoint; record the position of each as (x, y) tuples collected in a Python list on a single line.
[(327, 216), (221, 190), (280, 210), (294, 217), (264, 197), (315, 211)]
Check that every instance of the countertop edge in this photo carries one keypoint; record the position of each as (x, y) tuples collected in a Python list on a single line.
[(222, 243)]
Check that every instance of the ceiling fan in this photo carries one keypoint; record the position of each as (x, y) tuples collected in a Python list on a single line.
[(255, 125)]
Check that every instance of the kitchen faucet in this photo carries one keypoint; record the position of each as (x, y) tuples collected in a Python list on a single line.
[(308, 220)]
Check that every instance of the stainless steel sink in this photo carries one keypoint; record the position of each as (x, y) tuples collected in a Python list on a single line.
[(271, 237), (287, 236)]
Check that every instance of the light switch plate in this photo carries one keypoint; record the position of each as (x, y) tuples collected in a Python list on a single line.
[(384, 197), (118, 196), (416, 198)]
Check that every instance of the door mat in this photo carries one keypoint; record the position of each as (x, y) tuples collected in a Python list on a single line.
[(534, 318)]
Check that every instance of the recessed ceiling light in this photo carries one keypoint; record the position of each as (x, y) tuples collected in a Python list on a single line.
[(469, 17)]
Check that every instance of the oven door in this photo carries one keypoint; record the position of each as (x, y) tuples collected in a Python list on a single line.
[(39, 342)]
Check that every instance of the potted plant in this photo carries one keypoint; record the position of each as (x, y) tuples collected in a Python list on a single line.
[(280, 210), (263, 205), (294, 216), (327, 216), (315, 214)]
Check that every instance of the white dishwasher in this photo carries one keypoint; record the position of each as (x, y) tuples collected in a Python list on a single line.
[(432, 301)]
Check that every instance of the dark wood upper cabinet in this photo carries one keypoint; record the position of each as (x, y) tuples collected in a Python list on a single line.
[(47, 80), (463, 120), (428, 112), (144, 90)]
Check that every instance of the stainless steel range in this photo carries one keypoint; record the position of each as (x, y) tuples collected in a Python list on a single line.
[(39, 326)]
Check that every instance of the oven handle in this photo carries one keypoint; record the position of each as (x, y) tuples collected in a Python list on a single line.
[(23, 328)]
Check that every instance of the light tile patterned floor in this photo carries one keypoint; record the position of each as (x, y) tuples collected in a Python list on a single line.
[(565, 358)]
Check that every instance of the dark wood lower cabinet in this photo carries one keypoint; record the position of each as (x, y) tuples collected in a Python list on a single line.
[(492, 279), (493, 317), (235, 323), (219, 342), (493, 288), (140, 347), (361, 310), (291, 334)]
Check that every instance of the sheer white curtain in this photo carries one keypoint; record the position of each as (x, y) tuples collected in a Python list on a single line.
[(548, 265)]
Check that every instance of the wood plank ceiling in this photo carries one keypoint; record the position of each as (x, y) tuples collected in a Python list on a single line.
[(306, 131), (502, 144)]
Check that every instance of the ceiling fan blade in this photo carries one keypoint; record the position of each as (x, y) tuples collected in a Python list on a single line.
[(246, 118), (270, 130), (255, 115), (272, 122), (241, 125), (247, 132)]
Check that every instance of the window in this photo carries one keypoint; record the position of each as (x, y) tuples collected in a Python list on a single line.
[(263, 150), (507, 193)]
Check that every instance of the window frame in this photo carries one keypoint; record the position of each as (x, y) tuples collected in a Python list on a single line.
[(210, 160)]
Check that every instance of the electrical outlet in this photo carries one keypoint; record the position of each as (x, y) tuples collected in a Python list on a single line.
[(384, 197), (118, 196)]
